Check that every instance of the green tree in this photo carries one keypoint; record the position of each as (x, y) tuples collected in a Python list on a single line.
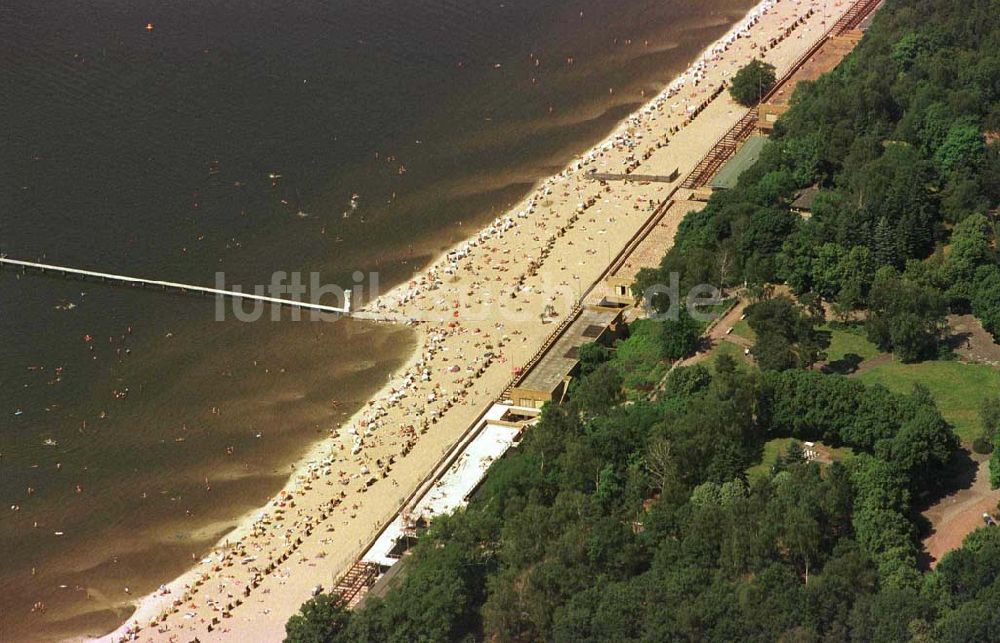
[(856, 271), (986, 298), (591, 356), (886, 248), (795, 454), (908, 48), (680, 337), (773, 352), (786, 334), (686, 381), (963, 147), (827, 270), (801, 534), (751, 83), (989, 417), (971, 247), (600, 391), (319, 620), (905, 317), (963, 195), (922, 447)]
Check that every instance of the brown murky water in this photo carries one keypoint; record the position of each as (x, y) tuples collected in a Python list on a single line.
[(231, 137)]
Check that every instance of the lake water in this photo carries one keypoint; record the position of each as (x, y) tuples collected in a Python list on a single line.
[(177, 140)]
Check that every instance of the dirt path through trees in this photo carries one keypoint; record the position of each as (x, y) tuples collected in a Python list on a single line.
[(955, 516)]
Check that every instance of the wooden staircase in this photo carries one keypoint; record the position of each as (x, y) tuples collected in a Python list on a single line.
[(353, 585), (726, 146), (854, 16), (723, 149)]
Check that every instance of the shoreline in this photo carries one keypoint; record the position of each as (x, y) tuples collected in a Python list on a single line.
[(153, 604), (527, 203), (407, 293)]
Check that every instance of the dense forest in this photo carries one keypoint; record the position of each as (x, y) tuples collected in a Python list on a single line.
[(903, 142), (627, 513), (636, 521)]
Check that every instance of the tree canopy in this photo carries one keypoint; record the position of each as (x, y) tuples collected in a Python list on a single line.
[(787, 336), (640, 522), (900, 142), (751, 82)]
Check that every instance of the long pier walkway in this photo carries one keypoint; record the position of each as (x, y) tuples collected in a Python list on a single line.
[(174, 286)]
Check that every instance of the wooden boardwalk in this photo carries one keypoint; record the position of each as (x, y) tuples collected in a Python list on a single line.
[(724, 148), (352, 586)]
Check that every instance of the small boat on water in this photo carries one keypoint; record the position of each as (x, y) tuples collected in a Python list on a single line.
[(49, 442)]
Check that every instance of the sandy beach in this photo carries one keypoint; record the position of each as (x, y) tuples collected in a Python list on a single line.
[(480, 311)]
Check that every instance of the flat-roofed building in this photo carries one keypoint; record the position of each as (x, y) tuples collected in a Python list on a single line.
[(741, 161), (549, 379)]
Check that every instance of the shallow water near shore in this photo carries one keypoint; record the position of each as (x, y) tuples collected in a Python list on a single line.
[(151, 152)]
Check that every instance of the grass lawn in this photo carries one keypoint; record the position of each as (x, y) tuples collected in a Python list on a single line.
[(844, 340), (848, 340), (742, 328), (727, 348), (777, 446), (957, 388), (840, 454), (772, 449)]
